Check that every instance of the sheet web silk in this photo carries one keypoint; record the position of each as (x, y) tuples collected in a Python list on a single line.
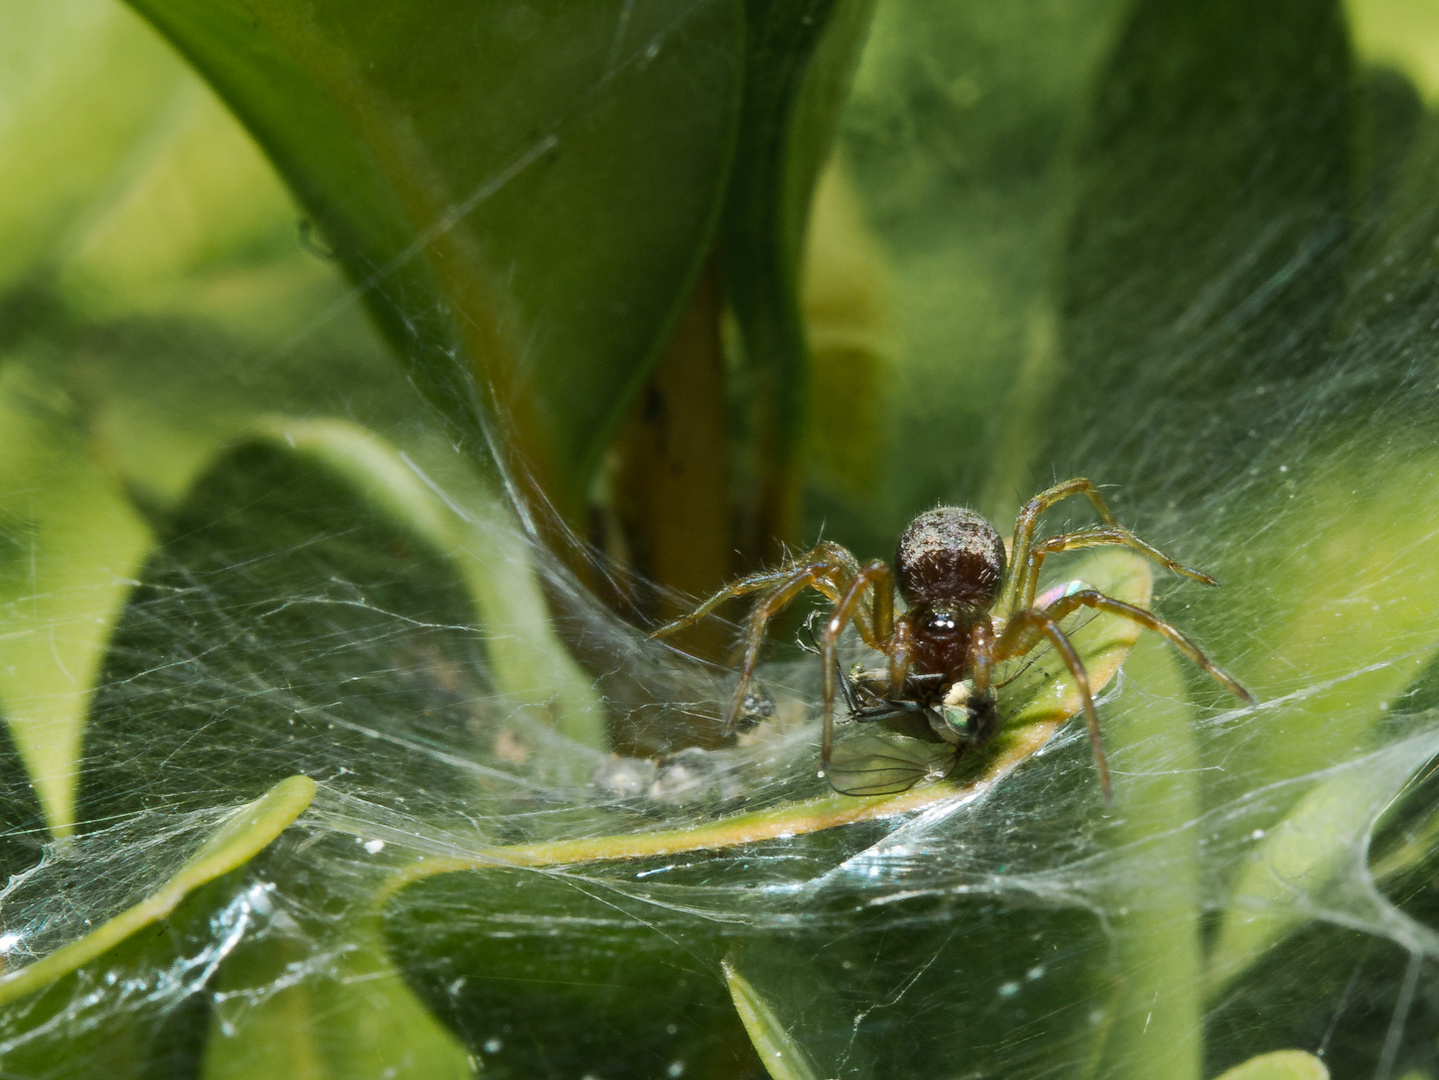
[(1261, 881)]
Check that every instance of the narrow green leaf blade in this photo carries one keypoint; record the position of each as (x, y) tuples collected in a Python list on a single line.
[(783, 1058)]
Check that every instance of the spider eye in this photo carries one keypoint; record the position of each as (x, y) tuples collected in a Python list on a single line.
[(942, 623)]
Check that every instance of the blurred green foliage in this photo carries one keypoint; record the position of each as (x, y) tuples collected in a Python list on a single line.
[(317, 326)]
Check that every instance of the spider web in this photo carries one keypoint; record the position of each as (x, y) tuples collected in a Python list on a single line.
[(1262, 881)]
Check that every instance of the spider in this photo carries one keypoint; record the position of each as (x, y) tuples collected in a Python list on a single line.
[(963, 615)]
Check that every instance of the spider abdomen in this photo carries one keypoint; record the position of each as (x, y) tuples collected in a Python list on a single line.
[(950, 554)]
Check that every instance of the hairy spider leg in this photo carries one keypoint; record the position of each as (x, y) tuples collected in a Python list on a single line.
[(829, 575), (1092, 598), (981, 656), (1113, 535), (826, 554), (875, 575), (1024, 525), (1019, 637)]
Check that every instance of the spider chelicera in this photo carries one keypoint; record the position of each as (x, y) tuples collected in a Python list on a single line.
[(963, 616)]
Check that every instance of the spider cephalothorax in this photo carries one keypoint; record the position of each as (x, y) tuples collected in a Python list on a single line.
[(948, 566), (963, 615)]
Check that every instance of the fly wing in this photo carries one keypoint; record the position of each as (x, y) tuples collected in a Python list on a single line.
[(870, 764)]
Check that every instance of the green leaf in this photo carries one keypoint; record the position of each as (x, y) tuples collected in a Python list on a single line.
[(629, 989), (60, 141), (455, 512), (1347, 624), (491, 181), (1314, 864), (1152, 1020), (109, 297), (783, 1058), (1161, 316), (801, 58), (241, 835), (1397, 34), (70, 546), (301, 615), (355, 1020), (1279, 1065)]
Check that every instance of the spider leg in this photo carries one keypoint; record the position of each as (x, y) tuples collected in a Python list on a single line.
[(1092, 598), (1024, 525), (875, 574), (752, 583), (1018, 638), (1111, 535), (824, 556), (981, 656), (900, 651), (768, 607)]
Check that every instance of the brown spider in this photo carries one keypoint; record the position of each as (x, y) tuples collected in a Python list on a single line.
[(963, 615)]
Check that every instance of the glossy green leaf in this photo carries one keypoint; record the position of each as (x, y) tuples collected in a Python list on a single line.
[(1313, 864), (60, 141), (1400, 35), (1152, 1018), (489, 180), (163, 232), (238, 838), (299, 616), (1353, 626)]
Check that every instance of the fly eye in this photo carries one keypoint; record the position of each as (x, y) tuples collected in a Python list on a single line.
[(960, 721)]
